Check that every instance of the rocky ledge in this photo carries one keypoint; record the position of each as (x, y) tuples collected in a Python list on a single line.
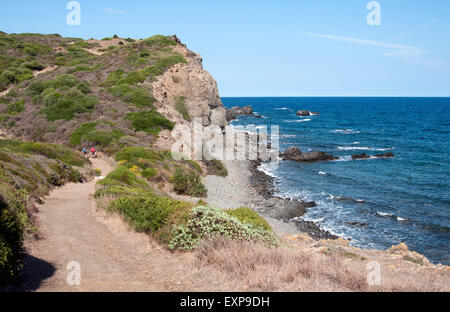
[(287, 210), (365, 156), (306, 113), (236, 111), (295, 154)]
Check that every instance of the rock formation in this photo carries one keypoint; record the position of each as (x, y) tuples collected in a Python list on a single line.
[(296, 154)]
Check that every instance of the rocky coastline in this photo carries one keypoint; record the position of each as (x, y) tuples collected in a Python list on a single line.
[(288, 210)]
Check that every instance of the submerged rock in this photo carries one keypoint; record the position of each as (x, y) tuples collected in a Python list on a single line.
[(296, 154), (385, 155), (303, 113), (360, 156)]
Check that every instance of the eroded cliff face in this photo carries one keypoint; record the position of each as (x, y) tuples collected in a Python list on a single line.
[(189, 85)]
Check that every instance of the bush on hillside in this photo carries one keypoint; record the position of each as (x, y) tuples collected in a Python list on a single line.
[(248, 216), (216, 167), (149, 121), (206, 221), (188, 184)]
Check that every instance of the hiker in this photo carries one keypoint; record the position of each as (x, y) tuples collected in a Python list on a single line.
[(85, 151), (93, 151)]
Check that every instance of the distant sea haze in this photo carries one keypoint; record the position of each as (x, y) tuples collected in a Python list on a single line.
[(374, 202)]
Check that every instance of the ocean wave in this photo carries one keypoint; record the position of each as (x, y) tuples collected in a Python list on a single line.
[(281, 108), (365, 148), (344, 131), (356, 143), (268, 168), (401, 219), (298, 120), (322, 173), (344, 158), (385, 214)]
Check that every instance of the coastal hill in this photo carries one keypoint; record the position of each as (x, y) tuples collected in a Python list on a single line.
[(134, 217)]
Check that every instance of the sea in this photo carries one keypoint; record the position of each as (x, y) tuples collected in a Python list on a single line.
[(376, 203)]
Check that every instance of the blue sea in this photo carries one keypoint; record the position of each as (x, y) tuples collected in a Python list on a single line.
[(404, 199)]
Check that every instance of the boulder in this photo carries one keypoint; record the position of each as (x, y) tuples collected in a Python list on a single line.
[(218, 117), (303, 113), (360, 156), (247, 110), (385, 155), (285, 208), (236, 111), (296, 154)]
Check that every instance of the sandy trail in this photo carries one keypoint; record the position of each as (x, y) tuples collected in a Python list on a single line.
[(111, 256)]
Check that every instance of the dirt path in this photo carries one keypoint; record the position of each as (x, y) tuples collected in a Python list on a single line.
[(111, 256)]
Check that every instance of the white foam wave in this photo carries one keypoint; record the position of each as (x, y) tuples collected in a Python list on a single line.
[(401, 219), (298, 120), (344, 131), (344, 158), (385, 214), (365, 148), (268, 168), (281, 108), (322, 173)]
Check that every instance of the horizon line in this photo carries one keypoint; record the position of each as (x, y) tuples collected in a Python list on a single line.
[(337, 96)]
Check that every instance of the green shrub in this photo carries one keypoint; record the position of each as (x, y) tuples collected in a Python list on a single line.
[(51, 151), (123, 175), (79, 134), (133, 96), (216, 167), (15, 108), (180, 106), (147, 214), (149, 173), (13, 222), (149, 121), (84, 87), (99, 137), (34, 65), (247, 215), (188, 184), (131, 154), (163, 64), (113, 78), (159, 42), (195, 165), (65, 106), (205, 221)]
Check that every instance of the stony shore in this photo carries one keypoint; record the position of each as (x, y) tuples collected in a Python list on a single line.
[(246, 186)]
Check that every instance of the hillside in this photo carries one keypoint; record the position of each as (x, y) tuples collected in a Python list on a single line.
[(112, 93), (116, 94)]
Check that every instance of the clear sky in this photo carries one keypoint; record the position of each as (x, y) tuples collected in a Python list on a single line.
[(276, 48)]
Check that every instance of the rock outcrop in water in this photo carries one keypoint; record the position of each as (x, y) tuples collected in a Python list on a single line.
[(385, 155), (295, 154), (236, 111), (360, 156), (307, 113)]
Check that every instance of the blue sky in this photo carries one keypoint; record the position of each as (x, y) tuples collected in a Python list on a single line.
[(276, 48)]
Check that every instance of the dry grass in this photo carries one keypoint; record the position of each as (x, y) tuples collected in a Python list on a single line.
[(286, 269)]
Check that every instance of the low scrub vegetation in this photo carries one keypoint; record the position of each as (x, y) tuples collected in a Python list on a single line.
[(216, 167), (188, 184), (206, 221), (247, 215), (149, 121), (180, 106), (28, 170)]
